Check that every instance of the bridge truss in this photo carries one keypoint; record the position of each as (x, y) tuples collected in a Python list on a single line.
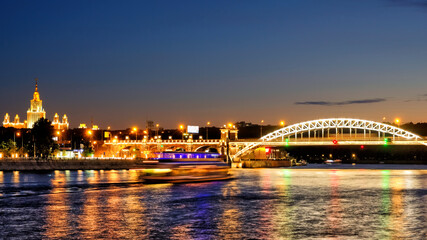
[(332, 123)]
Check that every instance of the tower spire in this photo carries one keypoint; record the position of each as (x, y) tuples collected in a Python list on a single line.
[(36, 84)]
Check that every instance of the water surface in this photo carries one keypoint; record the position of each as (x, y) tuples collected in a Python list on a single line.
[(260, 203)]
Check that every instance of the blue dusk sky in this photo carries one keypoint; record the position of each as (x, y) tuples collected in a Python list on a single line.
[(124, 62)]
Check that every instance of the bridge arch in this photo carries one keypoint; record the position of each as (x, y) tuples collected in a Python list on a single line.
[(331, 123)]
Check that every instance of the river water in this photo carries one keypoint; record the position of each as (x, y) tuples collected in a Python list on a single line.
[(303, 203)]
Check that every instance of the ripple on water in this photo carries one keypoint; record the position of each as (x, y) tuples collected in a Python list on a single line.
[(258, 204)]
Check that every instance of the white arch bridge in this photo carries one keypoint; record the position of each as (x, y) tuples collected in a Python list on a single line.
[(323, 126)]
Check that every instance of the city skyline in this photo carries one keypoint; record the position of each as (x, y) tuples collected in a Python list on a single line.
[(173, 63)]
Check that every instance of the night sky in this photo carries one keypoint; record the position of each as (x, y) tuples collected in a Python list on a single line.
[(125, 62)]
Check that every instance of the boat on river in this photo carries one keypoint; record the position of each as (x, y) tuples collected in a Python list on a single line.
[(336, 161), (182, 167)]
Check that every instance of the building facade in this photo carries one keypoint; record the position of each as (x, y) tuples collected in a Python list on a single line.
[(36, 111)]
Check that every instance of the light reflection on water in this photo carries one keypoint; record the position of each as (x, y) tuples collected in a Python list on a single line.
[(259, 203)]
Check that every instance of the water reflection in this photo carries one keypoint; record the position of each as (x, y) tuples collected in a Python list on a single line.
[(57, 216), (230, 221), (259, 203), (335, 211)]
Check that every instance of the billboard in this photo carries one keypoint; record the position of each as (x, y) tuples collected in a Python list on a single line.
[(192, 129)]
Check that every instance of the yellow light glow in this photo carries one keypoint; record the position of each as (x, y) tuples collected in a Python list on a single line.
[(57, 132), (158, 170), (209, 123), (134, 129), (157, 125), (145, 132), (282, 123), (230, 125), (181, 127), (89, 132), (397, 120)]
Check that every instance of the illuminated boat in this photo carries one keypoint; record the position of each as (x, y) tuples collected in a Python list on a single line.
[(336, 161), (181, 167)]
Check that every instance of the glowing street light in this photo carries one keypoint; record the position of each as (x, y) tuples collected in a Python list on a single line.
[(18, 134), (181, 128), (262, 121), (207, 129), (136, 133), (282, 123), (157, 129), (397, 121)]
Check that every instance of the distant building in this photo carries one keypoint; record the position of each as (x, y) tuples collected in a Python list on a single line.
[(15, 124), (34, 113), (60, 125)]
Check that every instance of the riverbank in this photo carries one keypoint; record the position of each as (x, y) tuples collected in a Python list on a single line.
[(363, 166), (30, 164)]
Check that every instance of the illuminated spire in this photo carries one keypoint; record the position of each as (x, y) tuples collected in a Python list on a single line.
[(36, 96)]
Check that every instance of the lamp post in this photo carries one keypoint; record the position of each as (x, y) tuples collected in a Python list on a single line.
[(181, 128), (207, 129), (136, 133), (262, 121), (89, 132), (22, 139), (157, 129)]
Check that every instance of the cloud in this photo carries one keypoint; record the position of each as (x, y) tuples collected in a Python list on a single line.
[(324, 103), (419, 98), (409, 3)]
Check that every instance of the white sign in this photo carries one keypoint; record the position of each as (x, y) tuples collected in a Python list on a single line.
[(192, 129)]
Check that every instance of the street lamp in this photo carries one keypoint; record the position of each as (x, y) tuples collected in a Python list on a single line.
[(89, 132), (262, 121), (136, 133), (397, 121), (18, 134), (207, 129), (157, 129), (282, 123), (181, 128)]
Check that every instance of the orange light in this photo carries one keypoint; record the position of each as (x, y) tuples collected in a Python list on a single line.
[(230, 125), (18, 134), (145, 131), (282, 123), (57, 133), (209, 123), (134, 129), (89, 132), (397, 120), (181, 127)]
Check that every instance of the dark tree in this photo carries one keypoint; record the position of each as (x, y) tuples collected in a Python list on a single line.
[(42, 138)]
